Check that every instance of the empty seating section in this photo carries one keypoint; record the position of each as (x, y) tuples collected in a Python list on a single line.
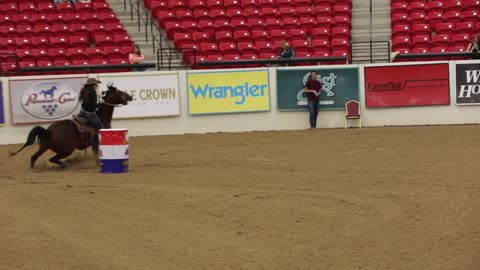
[(44, 34), (254, 29), (421, 26)]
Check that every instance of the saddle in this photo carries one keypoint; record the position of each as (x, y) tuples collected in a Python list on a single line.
[(85, 130)]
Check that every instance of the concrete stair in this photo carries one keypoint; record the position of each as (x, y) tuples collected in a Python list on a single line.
[(138, 35)]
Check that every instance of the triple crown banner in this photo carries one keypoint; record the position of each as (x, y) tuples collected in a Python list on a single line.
[(339, 85), (228, 91)]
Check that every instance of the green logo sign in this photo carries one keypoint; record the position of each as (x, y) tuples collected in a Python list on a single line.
[(339, 85)]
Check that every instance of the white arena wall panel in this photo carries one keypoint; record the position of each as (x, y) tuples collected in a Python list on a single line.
[(265, 120)]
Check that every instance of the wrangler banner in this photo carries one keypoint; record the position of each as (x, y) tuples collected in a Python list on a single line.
[(468, 84), (2, 111), (407, 85), (153, 95), (339, 85), (228, 91), (44, 100)]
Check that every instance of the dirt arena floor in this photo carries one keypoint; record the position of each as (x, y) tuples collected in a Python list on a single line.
[(374, 198)]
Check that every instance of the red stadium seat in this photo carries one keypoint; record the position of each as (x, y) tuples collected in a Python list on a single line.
[(66, 7), (454, 6), (321, 32), (435, 17), (422, 41), (76, 54), (465, 28), (440, 41), (227, 48), (242, 35), (25, 55), (436, 6), (418, 18), (224, 36), (401, 43), (321, 44), (264, 47), (260, 35), (246, 48), (209, 49), (27, 8), (445, 28)]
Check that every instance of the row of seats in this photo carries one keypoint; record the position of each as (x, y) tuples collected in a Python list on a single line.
[(65, 41), (38, 1), (155, 5), (433, 18), (424, 41), (212, 26), (276, 35), (49, 8), (449, 29), (47, 31), (425, 6), (77, 53), (58, 18), (12, 66)]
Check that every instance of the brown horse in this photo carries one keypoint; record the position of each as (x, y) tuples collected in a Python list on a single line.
[(63, 137)]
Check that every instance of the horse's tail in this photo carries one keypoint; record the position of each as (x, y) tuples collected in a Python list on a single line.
[(37, 131)]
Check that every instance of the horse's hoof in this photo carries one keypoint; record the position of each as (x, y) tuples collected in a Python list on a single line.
[(64, 164)]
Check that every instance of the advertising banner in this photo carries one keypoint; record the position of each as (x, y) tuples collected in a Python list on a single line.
[(44, 100), (153, 95), (339, 85), (228, 92), (407, 85), (468, 84), (2, 108)]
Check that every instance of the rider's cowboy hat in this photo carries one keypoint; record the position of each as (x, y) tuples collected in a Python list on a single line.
[(92, 81)]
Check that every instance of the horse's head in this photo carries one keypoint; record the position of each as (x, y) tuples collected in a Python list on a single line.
[(115, 97)]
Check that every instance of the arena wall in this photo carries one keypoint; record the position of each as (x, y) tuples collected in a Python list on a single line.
[(272, 119)]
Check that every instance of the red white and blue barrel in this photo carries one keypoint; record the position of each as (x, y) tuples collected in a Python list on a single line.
[(113, 150)]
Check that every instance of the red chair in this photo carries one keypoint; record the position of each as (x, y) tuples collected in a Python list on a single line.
[(101, 7), (270, 13), (266, 3), (249, 3), (78, 41), (461, 40), (260, 35), (58, 53), (41, 54), (197, 5), (302, 3), (40, 42), (418, 18), (224, 36), (454, 6), (181, 38), (285, 3), (465, 28), (325, 22), (321, 44), (214, 4), (76, 54), (114, 53), (79, 30), (106, 17), (6, 20), (246, 48), (43, 31), (227, 48), (201, 14), (236, 14), (297, 33), (300, 45), (471, 15), (115, 29), (25, 30), (94, 53), (190, 26), (73, 18), (290, 23), (241, 36), (401, 42), (239, 24), (103, 40), (439, 50), (61, 30), (288, 12), (457, 49), (65, 8), (156, 6), (435, 17), (232, 4), (421, 29), (342, 21), (25, 55), (8, 31), (453, 16), (273, 24), (27, 8), (323, 10), (28, 64), (440, 40), (278, 35), (165, 16), (122, 40), (417, 7), (400, 19), (340, 44), (264, 47), (445, 28), (471, 4), (436, 6), (59, 42), (207, 26), (321, 32), (173, 27), (256, 24), (23, 43), (422, 41), (401, 30), (308, 23), (305, 11), (352, 112), (22, 19), (8, 43), (253, 13), (46, 8), (83, 7), (223, 25), (209, 49), (185, 16), (341, 32), (342, 10), (267, 55), (200, 37), (9, 8), (399, 7), (251, 56)]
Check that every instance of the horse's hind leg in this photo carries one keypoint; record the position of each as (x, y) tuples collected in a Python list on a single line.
[(56, 159), (35, 156)]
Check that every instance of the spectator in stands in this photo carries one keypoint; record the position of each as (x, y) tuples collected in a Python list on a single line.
[(136, 57), (313, 88), (89, 99), (474, 47), (286, 52)]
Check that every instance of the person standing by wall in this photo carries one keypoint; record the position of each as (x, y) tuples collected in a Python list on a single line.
[(313, 88)]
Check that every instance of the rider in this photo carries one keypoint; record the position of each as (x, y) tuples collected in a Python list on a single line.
[(89, 99)]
